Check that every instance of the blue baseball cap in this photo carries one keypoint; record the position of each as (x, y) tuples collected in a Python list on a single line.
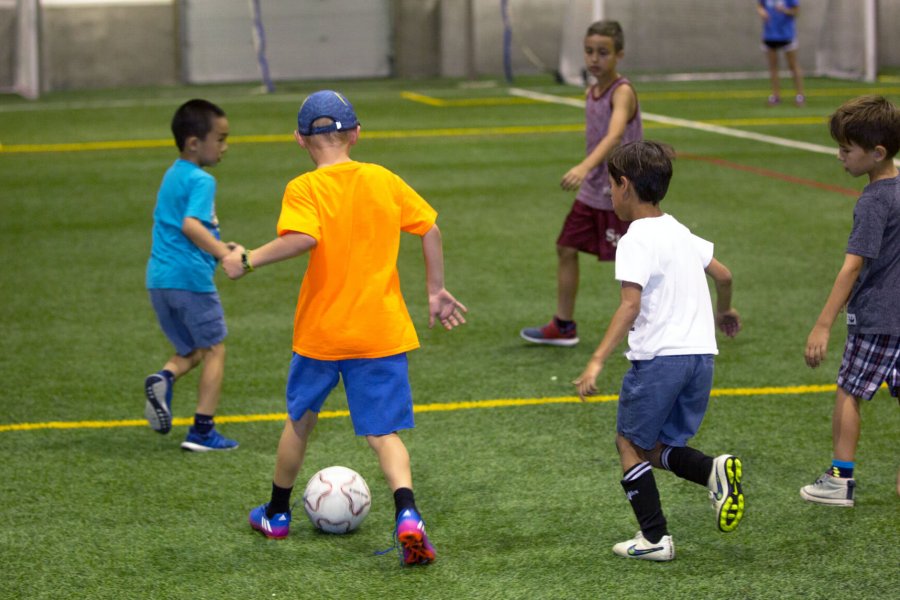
[(326, 103)]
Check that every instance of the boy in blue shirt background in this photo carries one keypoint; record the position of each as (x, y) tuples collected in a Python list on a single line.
[(186, 249)]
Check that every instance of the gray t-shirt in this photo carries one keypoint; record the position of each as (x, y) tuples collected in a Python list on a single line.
[(874, 306)]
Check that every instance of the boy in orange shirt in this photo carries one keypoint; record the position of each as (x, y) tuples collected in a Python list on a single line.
[(351, 320)]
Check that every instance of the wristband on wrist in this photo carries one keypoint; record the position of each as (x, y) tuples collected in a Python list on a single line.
[(245, 261)]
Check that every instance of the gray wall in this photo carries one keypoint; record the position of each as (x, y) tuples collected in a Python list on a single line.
[(96, 47), (109, 46)]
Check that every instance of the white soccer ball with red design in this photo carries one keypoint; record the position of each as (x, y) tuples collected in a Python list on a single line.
[(337, 499)]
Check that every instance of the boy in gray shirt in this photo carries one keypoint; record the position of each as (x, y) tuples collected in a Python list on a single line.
[(867, 130)]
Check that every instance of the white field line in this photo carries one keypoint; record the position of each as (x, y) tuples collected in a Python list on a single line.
[(728, 131)]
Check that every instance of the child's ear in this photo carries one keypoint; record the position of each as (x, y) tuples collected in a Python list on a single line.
[(879, 153), (299, 138), (191, 142)]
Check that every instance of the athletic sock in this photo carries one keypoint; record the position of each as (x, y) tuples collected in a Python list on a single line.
[(563, 325), (687, 463), (842, 468), (403, 499), (203, 424), (280, 502), (169, 375), (640, 489)]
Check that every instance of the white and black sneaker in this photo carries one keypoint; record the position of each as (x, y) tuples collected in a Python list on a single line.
[(639, 547)]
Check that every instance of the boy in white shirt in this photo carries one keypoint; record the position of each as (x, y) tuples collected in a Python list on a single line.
[(666, 311)]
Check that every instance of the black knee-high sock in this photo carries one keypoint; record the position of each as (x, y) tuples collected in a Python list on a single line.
[(640, 489), (403, 499), (687, 463), (280, 502)]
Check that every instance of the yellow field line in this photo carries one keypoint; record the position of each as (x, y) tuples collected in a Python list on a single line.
[(421, 408)]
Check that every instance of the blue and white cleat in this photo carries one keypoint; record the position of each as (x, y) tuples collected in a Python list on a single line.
[(207, 443), (158, 409), (276, 528)]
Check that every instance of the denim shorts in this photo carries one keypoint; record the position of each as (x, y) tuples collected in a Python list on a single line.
[(191, 320), (664, 399), (378, 391)]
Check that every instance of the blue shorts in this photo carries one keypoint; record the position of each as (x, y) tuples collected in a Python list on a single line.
[(664, 399), (191, 320), (377, 389)]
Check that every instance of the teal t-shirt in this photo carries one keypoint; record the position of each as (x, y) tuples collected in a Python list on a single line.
[(175, 262)]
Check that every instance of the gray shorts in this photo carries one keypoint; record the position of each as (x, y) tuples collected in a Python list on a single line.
[(191, 320)]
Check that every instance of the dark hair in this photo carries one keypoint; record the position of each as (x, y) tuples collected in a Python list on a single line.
[(610, 29), (194, 118), (867, 121), (647, 165)]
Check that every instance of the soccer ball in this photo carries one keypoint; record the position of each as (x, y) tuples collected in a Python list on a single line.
[(337, 499)]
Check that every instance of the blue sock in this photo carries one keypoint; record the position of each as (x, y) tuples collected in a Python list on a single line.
[(203, 424), (842, 468), (170, 377)]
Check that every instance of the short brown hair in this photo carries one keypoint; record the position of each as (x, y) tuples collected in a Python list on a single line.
[(610, 29), (867, 121), (646, 164)]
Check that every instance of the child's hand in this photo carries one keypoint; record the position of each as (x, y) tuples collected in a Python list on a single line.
[(729, 322), (572, 180), (443, 307), (232, 264), (587, 381), (816, 346)]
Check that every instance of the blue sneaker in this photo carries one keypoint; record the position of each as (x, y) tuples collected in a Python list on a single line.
[(417, 550), (205, 443), (158, 409), (275, 528)]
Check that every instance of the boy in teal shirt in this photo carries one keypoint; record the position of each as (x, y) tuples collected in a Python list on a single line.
[(186, 248)]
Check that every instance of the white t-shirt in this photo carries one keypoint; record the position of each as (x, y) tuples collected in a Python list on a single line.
[(668, 262)]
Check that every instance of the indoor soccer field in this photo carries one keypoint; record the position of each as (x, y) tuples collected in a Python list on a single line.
[(517, 480)]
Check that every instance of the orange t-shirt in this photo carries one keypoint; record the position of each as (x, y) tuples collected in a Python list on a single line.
[(350, 304)]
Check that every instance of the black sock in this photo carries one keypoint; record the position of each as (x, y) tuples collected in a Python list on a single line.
[(564, 325), (687, 463), (403, 499), (203, 424), (280, 502), (640, 489)]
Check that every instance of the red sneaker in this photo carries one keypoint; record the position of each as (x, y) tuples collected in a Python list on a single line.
[(551, 334)]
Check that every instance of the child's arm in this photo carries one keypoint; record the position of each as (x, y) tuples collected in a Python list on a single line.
[(197, 232), (761, 11), (619, 325), (441, 303), (281, 248), (624, 104), (727, 319), (817, 342)]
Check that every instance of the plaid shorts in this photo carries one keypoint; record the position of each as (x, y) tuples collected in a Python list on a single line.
[(869, 360)]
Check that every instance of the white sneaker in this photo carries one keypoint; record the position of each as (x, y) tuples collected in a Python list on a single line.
[(828, 489), (639, 547), (725, 491)]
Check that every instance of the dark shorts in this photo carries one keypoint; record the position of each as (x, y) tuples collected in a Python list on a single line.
[(191, 320), (592, 230), (378, 391), (664, 399), (786, 45), (870, 360)]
